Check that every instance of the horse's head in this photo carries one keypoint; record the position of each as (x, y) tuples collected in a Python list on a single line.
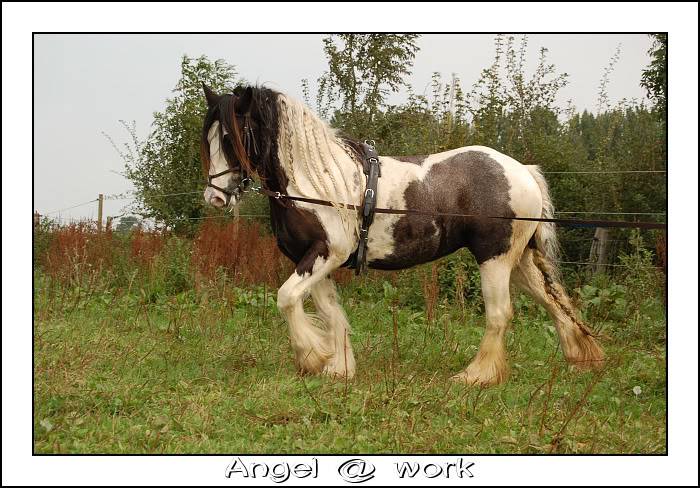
[(228, 144)]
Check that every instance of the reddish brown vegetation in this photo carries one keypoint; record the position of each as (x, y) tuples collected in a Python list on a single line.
[(74, 246), (146, 245), (661, 257), (242, 249), (431, 292), (343, 275)]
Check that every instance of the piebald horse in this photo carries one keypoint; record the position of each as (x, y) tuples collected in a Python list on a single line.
[(258, 131)]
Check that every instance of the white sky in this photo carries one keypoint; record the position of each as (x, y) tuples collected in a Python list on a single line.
[(83, 85)]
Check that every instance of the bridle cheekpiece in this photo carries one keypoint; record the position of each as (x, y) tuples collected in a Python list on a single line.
[(251, 150)]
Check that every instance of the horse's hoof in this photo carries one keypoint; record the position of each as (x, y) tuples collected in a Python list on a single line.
[(311, 362), (584, 353), (472, 377), (339, 369), (338, 375)]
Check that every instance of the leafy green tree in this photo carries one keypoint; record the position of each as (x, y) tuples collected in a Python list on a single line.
[(127, 223), (511, 112), (424, 124), (166, 168), (654, 77), (362, 70)]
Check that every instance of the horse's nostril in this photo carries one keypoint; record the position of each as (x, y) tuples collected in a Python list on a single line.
[(217, 202)]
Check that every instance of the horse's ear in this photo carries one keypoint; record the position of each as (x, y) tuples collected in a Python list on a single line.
[(212, 98), (245, 101)]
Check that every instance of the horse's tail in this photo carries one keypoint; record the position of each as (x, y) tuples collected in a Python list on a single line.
[(578, 341), (545, 236)]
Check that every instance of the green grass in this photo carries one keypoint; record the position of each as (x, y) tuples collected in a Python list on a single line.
[(211, 372)]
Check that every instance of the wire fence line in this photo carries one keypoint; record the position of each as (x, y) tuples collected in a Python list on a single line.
[(74, 206), (120, 197), (604, 172), (608, 213), (562, 212), (583, 263), (266, 216), (231, 216), (223, 216)]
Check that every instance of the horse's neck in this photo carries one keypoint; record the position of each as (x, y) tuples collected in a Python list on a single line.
[(320, 166)]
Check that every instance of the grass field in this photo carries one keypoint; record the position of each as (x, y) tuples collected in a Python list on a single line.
[(209, 370)]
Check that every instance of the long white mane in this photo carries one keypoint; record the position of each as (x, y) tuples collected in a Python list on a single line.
[(317, 163)]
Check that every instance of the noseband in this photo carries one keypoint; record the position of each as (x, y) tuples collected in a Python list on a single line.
[(251, 149)]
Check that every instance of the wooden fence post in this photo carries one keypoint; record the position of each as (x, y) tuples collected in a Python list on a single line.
[(599, 249), (100, 203)]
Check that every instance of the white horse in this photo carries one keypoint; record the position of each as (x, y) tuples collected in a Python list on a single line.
[(293, 152)]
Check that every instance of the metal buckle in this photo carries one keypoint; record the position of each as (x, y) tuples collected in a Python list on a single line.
[(369, 190), (370, 142), (245, 184)]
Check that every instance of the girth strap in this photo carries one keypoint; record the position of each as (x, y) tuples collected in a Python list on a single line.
[(372, 170)]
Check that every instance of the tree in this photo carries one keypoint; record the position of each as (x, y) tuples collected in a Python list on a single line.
[(363, 70), (166, 168), (654, 78), (127, 223)]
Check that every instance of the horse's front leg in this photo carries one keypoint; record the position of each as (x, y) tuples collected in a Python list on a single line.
[(342, 363), (313, 346)]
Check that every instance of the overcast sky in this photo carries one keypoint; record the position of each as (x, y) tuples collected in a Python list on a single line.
[(83, 85)]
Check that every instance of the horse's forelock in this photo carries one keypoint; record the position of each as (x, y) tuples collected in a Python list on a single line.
[(229, 121), (224, 113)]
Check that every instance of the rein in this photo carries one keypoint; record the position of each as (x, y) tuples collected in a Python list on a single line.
[(567, 222)]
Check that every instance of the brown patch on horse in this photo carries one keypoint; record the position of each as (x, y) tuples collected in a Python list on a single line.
[(306, 264), (467, 183), (300, 235), (410, 159)]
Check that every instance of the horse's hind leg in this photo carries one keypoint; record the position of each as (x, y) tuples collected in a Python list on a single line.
[(342, 363), (537, 276), (490, 365)]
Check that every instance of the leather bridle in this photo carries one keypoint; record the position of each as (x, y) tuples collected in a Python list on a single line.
[(251, 149)]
